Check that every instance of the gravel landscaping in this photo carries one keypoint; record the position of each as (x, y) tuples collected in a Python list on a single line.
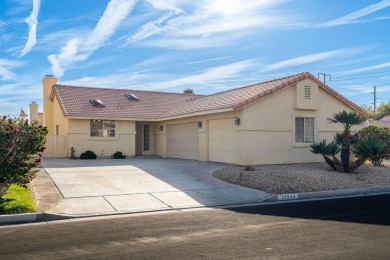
[(296, 178)]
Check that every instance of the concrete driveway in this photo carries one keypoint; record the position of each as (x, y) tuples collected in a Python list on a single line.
[(106, 186)]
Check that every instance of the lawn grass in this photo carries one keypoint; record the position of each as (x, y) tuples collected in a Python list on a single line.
[(17, 200)]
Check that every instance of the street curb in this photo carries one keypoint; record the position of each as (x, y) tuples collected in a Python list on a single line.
[(328, 194), (20, 218), (42, 217)]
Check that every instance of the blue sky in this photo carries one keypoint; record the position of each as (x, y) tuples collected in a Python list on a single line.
[(206, 45)]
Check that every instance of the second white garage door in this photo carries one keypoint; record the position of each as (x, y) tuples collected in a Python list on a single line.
[(183, 141), (222, 140)]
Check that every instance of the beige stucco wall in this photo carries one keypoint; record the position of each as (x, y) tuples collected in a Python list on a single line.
[(79, 138), (268, 127), (58, 119)]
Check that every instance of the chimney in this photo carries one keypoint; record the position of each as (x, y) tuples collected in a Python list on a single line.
[(33, 112), (48, 117)]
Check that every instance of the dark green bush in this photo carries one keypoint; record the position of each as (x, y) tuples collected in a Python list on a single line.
[(88, 155), (383, 134), (118, 155), (372, 148)]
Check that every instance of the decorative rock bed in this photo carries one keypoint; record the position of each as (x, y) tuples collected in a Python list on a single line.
[(296, 178)]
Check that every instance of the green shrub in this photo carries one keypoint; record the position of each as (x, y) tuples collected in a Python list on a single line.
[(118, 155), (371, 148), (88, 155), (383, 134), (21, 148)]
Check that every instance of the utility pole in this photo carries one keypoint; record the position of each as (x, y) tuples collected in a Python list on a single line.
[(324, 75), (375, 98)]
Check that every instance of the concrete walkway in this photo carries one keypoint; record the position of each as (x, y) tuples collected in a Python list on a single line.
[(107, 186)]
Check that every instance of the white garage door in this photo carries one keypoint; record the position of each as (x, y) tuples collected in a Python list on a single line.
[(183, 141), (222, 140)]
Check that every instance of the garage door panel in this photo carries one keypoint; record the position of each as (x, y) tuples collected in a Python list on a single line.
[(222, 140), (183, 141)]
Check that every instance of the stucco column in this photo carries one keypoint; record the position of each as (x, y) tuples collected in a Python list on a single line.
[(48, 106), (204, 141), (33, 112)]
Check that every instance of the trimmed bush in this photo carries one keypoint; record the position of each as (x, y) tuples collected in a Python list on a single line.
[(118, 155), (381, 133), (88, 155), (371, 148)]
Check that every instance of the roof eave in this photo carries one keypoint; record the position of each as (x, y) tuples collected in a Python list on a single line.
[(200, 113)]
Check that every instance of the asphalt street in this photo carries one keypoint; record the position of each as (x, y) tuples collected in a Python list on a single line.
[(350, 228)]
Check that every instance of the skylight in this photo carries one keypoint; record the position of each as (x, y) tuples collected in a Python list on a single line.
[(131, 97), (96, 103)]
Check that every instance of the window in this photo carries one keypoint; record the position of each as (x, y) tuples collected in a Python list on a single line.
[(304, 130), (57, 130), (307, 92), (146, 137), (102, 128)]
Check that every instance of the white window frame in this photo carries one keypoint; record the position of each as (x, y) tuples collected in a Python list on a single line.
[(107, 128), (307, 139)]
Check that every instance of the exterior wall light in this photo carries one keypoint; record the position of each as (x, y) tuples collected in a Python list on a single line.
[(237, 121), (200, 124), (161, 128)]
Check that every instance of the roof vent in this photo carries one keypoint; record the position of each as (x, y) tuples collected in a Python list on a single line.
[(96, 103), (131, 97)]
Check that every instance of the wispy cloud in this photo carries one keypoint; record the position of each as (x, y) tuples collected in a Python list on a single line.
[(32, 22), (351, 18), (213, 77), (206, 22), (201, 61), (310, 58), (79, 49), (364, 69), (5, 68), (170, 5)]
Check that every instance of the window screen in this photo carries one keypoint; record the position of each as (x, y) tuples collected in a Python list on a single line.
[(102, 128), (304, 130)]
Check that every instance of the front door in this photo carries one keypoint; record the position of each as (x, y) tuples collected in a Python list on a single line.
[(138, 139)]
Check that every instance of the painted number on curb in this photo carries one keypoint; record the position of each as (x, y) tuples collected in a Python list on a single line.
[(287, 196)]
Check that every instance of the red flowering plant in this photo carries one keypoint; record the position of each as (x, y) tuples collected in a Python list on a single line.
[(21, 147)]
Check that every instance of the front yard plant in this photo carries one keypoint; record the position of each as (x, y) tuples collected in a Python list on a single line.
[(21, 147), (363, 148), (87, 155), (118, 155), (381, 135)]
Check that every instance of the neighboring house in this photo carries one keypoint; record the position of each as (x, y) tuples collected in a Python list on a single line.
[(34, 114), (272, 122), (384, 121)]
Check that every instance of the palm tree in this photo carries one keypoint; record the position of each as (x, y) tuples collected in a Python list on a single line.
[(347, 120), (326, 150)]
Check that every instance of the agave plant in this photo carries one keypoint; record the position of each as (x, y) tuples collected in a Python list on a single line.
[(347, 120)]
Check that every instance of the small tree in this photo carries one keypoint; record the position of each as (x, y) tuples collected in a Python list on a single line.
[(342, 142), (347, 120), (188, 91), (21, 147)]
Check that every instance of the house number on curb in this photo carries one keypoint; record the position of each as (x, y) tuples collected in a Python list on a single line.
[(287, 196)]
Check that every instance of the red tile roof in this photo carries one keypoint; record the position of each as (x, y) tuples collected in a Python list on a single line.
[(75, 101)]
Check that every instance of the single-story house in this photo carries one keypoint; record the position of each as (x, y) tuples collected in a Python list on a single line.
[(272, 122), (384, 121)]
